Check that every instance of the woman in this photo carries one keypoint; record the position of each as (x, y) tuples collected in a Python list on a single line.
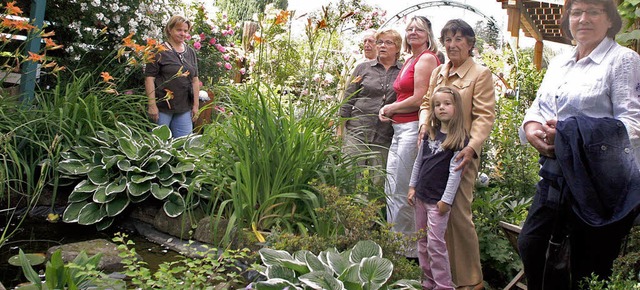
[(410, 86), (599, 79), (475, 85), (369, 89), (171, 80)]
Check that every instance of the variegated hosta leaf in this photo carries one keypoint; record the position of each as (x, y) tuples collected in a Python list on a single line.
[(139, 198), (151, 167), (104, 223), (72, 212), (99, 176), (79, 196), (176, 178), (375, 271), (74, 166), (85, 186), (182, 167), (351, 274), (116, 186), (281, 272), (117, 205), (124, 130), (100, 141), (406, 284), (165, 173), (314, 264), (143, 151), (160, 192), (100, 196), (174, 206), (138, 189), (111, 160), (338, 262), (365, 249), (274, 284), (162, 132), (91, 214), (137, 178), (272, 257), (128, 147), (194, 146), (321, 280), (84, 152)]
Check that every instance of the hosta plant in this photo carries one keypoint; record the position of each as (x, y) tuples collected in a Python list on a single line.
[(361, 267), (125, 168)]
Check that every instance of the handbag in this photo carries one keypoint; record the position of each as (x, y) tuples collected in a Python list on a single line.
[(557, 267)]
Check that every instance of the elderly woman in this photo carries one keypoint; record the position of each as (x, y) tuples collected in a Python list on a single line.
[(410, 86), (475, 84), (596, 84), (171, 80), (371, 88)]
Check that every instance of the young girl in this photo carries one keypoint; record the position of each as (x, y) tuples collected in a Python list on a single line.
[(434, 184)]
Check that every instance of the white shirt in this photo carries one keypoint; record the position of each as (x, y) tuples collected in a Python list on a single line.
[(606, 83)]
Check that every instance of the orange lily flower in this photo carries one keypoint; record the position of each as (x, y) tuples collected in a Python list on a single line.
[(106, 77), (12, 9), (35, 57)]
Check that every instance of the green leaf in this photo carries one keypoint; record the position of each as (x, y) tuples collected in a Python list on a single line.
[(128, 147), (124, 130), (98, 176), (151, 167), (83, 151), (55, 274), (406, 284), (100, 195), (85, 186), (116, 186), (117, 205), (32, 258), (195, 147), (111, 160), (338, 262), (183, 167), (76, 196), (104, 223), (375, 271), (28, 272), (139, 198), (174, 206), (91, 214), (165, 173), (137, 178), (138, 189), (274, 284), (160, 192), (271, 257), (365, 249), (626, 37), (162, 132), (74, 167), (351, 274), (72, 212), (177, 178), (314, 264), (321, 280), (282, 272)]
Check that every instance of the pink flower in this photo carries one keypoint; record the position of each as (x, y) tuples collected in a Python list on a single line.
[(219, 109), (226, 57), (219, 64), (202, 36), (227, 66), (220, 48), (231, 32), (212, 41), (243, 71), (128, 92), (188, 36), (197, 45)]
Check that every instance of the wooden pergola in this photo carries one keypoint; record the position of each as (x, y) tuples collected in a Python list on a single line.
[(539, 19)]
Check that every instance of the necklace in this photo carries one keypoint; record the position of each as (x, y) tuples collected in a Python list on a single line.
[(180, 55)]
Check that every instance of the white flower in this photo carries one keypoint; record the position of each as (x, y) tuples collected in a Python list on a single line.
[(95, 3)]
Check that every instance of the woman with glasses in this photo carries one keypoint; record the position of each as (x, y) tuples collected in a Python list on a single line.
[(474, 82), (369, 89), (171, 80), (596, 84), (410, 85)]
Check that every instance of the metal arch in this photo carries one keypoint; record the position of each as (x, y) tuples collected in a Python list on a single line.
[(430, 4)]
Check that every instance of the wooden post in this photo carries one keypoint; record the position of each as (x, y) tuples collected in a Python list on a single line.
[(29, 68), (537, 54)]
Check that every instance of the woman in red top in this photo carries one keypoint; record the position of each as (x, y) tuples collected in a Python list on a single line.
[(410, 86)]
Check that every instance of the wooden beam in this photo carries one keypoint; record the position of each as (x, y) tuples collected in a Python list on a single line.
[(528, 24), (537, 54)]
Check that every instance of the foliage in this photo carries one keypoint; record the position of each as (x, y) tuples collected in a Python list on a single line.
[(213, 37), (487, 34), (630, 35), (81, 273), (361, 267), (211, 269), (265, 154), (344, 220), (626, 268), (246, 9), (128, 168)]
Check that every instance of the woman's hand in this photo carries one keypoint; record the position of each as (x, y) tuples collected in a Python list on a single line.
[(384, 114), (443, 207), (152, 111), (466, 154), (542, 137), (194, 112), (411, 196)]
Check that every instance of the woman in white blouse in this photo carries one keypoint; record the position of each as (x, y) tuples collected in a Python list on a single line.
[(598, 79)]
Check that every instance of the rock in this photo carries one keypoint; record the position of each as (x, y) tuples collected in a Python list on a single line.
[(146, 213), (210, 230), (180, 226), (109, 262)]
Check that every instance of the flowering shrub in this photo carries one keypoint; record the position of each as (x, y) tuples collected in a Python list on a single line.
[(213, 37)]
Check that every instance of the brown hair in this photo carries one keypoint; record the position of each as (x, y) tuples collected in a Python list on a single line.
[(454, 26), (609, 7), (173, 21), (457, 134), (423, 23), (395, 36)]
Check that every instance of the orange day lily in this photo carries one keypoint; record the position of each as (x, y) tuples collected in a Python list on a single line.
[(35, 57), (282, 17), (106, 77), (51, 45), (12, 9)]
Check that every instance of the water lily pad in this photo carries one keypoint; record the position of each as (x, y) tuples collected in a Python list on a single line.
[(34, 259)]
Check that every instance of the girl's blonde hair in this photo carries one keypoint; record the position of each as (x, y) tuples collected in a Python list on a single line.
[(457, 134)]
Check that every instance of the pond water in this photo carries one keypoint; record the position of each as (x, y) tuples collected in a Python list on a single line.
[(38, 235)]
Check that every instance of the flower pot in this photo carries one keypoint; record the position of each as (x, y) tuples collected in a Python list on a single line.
[(206, 110)]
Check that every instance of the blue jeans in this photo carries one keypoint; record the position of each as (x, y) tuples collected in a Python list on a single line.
[(180, 124)]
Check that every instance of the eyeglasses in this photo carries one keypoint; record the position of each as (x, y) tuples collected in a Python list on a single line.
[(415, 29), (386, 42), (577, 13)]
